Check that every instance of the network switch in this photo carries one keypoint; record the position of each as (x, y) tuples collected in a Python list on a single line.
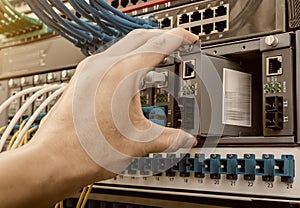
[(220, 21)]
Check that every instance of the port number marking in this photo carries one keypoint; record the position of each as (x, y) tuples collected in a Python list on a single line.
[(217, 182), (270, 185), (250, 183), (232, 183), (171, 179), (200, 180), (156, 7), (289, 186), (186, 180)]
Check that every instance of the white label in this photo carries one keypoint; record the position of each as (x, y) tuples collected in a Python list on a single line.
[(236, 98)]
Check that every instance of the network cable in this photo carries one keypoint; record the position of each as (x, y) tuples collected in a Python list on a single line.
[(6, 103), (37, 112), (22, 110), (85, 193), (59, 205), (26, 136), (101, 23)]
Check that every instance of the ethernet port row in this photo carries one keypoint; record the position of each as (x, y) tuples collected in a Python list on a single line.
[(208, 28), (187, 18), (125, 3), (198, 15)]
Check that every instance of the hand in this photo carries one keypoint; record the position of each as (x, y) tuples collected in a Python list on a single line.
[(97, 127)]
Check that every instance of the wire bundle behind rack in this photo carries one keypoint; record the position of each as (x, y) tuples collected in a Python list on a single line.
[(87, 24), (14, 23)]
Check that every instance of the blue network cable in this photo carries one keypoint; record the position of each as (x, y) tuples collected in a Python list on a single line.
[(100, 23)]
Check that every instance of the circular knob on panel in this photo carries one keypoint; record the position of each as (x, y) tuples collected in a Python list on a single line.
[(271, 40)]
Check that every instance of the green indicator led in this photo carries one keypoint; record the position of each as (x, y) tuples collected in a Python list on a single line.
[(279, 84)]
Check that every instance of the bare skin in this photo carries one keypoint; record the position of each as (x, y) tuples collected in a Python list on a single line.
[(54, 165)]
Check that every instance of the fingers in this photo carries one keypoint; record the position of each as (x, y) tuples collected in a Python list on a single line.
[(165, 43), (142, 39), (132, 41), (155, 49), (171, 140)]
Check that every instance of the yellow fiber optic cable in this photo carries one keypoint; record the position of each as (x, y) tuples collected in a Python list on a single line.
[(59, 204), (2, 129), (86, 196), (13, 138), (22, 142), (81, 198), (25, 137)]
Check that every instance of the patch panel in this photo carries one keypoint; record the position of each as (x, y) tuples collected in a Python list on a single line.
[(201, 22), (219, 21), (264, 171), (214, 166)]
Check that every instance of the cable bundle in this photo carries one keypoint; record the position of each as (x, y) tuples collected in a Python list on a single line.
[(23, 131), (90, 24), (13, 23)]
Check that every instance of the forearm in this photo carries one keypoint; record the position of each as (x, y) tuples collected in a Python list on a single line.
[(41, 172)]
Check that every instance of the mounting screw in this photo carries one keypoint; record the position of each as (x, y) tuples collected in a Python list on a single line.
[(271, 40)]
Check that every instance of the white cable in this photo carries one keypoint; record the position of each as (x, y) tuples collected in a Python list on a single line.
[(6, 103), (36, 114), (22, 110)]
